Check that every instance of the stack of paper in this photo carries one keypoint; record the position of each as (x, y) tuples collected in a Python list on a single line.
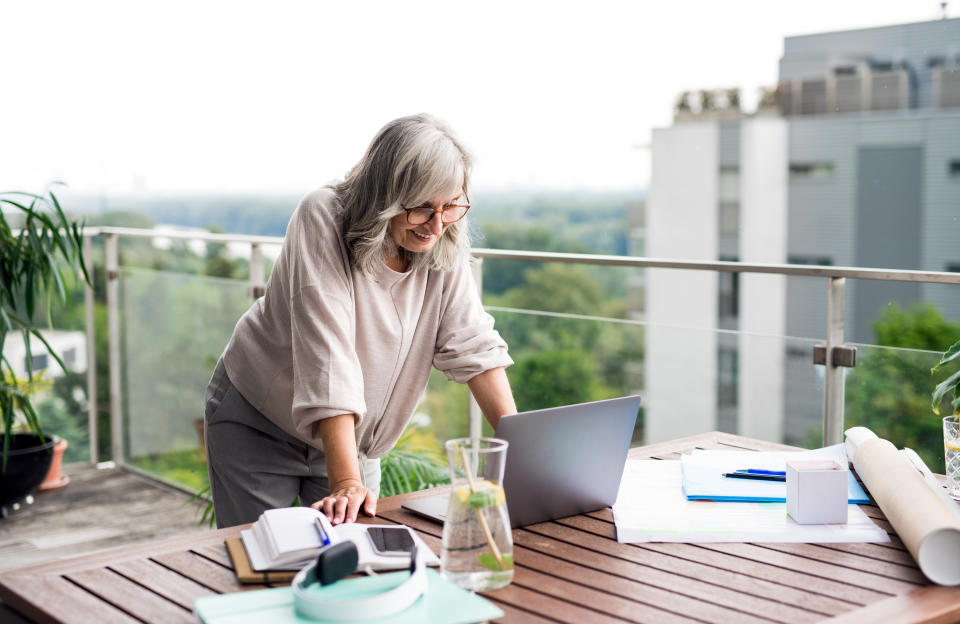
[(703, 474), (285, 538), (651, 507)]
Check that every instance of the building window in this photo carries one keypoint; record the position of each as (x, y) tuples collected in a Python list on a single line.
[(728, 363), (69, 356), (953, 169), (729, 218), (728, 300), (814, 260), (37, 362), (813, 97), (811, 171)]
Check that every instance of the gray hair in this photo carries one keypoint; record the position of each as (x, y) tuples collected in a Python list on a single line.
[(411, 160)]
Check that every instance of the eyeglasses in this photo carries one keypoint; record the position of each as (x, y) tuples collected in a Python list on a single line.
[(448, 214)]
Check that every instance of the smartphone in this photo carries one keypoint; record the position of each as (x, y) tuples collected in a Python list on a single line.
[(390, 540)]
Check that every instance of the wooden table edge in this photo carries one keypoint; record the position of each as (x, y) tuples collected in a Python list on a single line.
[(930, 604)]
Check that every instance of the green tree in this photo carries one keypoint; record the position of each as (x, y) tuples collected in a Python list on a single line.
[(556, 377), (889, 390)]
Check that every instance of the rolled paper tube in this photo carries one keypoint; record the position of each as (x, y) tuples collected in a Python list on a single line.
[(928, 527)]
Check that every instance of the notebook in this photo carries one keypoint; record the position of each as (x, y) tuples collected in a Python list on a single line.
[(561, 461), (289, 538)]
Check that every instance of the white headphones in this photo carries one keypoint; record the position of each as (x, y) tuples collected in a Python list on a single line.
[(341, 559)]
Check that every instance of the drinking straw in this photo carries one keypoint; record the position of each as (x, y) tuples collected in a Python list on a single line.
[(483, 521)]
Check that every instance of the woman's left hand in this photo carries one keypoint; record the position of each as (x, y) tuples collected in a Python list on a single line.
[(344, 502)]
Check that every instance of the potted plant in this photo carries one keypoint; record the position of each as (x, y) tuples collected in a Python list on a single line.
[(32, 259), (951, 384)]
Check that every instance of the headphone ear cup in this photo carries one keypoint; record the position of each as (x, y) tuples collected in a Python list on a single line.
[(336, 561)]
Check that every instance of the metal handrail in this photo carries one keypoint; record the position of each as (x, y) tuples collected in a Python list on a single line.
[(835, 276), (637, 262)]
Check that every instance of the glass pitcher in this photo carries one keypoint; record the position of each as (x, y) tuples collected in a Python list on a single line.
[(477, 549)]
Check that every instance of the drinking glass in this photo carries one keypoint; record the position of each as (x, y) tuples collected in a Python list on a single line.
[(477, 552), (951, 452)]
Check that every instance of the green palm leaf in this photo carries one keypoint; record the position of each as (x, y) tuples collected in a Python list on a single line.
[(30, 268)]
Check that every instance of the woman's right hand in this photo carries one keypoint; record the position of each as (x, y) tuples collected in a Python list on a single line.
[(345, 500)]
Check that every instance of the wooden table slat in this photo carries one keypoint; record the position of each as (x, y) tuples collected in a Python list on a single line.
[(133, 598), (56, 600), (882, 552), (524, 576), (521, 596), (708, 583), (818, 595), (799, 579), (732, 590), (637, 589), (203, 571), (216, 553), (599, 602), (175, 587), (838, 556), (854, 578)]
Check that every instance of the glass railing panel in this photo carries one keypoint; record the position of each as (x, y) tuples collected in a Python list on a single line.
[(174, 328), (889, 391), (705, 379), (692, 380)]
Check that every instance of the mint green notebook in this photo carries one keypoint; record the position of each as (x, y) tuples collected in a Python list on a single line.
[(444, 603)]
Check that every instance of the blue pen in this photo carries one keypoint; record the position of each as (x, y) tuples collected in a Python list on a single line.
[(779, 473), (324, 537)]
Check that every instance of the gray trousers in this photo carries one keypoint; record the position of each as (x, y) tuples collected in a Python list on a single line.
[(254, 465)]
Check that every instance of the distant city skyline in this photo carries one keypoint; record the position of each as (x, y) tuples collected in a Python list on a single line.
[(215, 97)]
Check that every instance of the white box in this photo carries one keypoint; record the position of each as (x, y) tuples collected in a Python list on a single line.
[(817, 492)]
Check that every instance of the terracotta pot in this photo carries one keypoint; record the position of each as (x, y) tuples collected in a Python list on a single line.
[(55, 479)]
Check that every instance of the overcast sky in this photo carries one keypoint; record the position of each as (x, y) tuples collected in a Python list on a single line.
[(282, 96)]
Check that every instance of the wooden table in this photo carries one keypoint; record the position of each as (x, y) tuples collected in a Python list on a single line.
[(571, 570)]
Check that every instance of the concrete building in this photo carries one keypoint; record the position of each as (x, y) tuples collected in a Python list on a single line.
[(71, 346), (854, 160)]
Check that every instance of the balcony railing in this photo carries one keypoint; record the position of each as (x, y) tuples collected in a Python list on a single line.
[(143, 307)]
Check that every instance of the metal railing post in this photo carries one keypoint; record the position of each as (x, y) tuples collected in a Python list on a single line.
[(256, 271), (113, 334), (473, 409), (833, 373), (89, 310)]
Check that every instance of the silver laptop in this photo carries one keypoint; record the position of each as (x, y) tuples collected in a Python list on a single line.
[(561, 461)]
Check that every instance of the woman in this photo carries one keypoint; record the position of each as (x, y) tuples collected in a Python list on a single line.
[(322, 374)]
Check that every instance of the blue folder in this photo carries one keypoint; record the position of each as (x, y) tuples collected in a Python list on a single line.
[(443, 603)]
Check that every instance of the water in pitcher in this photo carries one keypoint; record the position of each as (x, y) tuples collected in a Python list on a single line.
[(468, 558), (477, 551)]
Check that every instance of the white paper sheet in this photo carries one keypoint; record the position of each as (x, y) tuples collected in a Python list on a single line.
[(703, 473), (651, 507)]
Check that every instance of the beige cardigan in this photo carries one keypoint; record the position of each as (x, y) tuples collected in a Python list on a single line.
[(325, 340)]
